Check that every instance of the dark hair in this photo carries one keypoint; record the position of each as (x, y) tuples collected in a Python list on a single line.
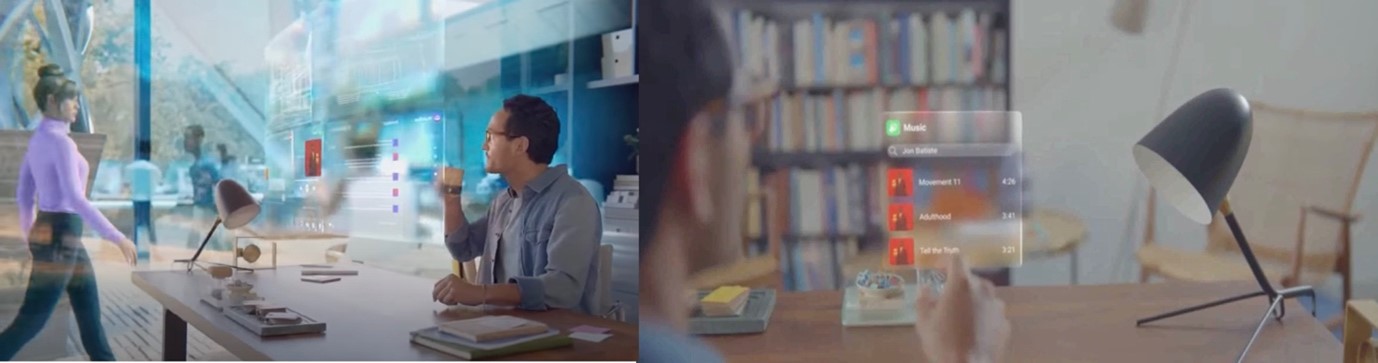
[(196, 130), (686, 64), (52, 82), (532, 118)]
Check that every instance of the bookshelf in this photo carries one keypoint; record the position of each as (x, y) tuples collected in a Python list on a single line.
[(614, 82), (549, 49), (831, 69)]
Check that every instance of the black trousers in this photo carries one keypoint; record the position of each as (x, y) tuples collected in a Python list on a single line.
[(143, 218), (60, 264)]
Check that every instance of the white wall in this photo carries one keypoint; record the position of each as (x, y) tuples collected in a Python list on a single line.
[(1088, 92), (222, 31)]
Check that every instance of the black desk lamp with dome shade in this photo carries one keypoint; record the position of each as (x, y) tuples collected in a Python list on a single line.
[(1192, 158), (234, 207)]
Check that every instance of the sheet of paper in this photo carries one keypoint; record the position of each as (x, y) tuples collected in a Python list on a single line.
[(590, 337), (590, 329), (502, 322), (282, 316)]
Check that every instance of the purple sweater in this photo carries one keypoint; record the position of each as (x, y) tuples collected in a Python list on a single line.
[(54, 171)]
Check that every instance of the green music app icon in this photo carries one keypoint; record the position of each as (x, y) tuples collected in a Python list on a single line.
[(893, 127)]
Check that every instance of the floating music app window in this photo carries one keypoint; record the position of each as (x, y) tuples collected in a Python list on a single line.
[(954, 185)]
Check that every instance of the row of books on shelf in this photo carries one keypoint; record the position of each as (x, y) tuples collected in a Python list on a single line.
[(832, 201), (855, 120), (899, 48), (811, 263)]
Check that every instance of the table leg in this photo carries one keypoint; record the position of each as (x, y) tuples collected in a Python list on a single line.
[(174, 337), (1075, 274)]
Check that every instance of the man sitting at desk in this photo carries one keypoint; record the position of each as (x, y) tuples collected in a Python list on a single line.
[(539, 241), (693, 198)]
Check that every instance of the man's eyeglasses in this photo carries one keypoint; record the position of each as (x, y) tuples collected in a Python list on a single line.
[(488, 135)]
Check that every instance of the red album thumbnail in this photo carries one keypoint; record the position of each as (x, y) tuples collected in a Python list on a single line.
[(313, 158), (901, 252), (901, 182), (901, 217)]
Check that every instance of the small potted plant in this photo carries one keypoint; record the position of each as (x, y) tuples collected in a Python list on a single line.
[(633, 141)]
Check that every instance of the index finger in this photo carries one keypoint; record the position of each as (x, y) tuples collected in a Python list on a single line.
[(925, 305), (958, 275)]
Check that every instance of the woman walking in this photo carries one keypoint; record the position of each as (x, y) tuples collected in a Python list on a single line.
[(55, 173)]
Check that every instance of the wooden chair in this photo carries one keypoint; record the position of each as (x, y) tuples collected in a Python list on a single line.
[(1294, 198), (1361, 317)]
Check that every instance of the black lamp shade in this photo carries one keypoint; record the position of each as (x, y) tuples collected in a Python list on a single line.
[(234, 204), (1193, 156)]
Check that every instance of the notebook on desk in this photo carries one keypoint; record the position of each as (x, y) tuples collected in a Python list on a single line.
[(493, 327), (490, 337), (461, 348)]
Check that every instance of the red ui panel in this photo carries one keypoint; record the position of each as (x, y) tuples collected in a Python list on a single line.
[(312, 160)]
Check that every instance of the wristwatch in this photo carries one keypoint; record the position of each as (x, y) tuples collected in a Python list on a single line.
[(454, 189)]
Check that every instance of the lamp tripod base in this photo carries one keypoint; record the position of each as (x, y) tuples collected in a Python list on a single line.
[(194, 264), (1276, 309)]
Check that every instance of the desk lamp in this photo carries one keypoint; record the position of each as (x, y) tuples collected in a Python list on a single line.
[(1191, 159), (234, 207)]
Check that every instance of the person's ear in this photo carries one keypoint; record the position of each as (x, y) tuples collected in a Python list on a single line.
[(697, 162), (521, 143), (50, 102)]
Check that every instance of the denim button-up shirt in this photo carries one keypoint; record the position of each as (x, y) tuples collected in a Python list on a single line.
[(560, 228)]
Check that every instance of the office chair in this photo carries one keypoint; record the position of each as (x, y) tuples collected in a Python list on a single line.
[(611, 309)]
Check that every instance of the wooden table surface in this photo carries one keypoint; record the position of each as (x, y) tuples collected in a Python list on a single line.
[(1057, 324), (368, 317)]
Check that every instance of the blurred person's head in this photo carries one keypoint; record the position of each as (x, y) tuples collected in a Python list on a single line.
[(363, 140), (694, 200), (192, 138), (521, 136), (55, 94)]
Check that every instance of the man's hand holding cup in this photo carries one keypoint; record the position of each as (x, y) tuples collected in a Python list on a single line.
[(449, 182)]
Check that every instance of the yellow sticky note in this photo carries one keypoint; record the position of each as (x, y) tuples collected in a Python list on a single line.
[(724, 295)]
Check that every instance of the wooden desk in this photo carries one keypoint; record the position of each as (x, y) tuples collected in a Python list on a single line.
[(1057, 324), (368, 317)]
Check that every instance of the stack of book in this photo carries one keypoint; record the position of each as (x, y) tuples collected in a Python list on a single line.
[(620, 209), (490, 337), (725, 301), (621, 229)]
